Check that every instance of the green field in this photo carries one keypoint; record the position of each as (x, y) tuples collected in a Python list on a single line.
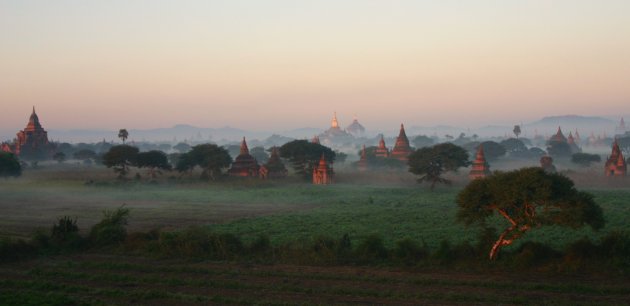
[(284, 211)]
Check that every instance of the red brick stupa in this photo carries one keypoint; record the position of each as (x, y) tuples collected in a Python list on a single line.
[(33, 140), (322, 173), (402, 149), (616, 165), (274, 168), (244, 164), (381, 150), (480, 167), (559, 137)]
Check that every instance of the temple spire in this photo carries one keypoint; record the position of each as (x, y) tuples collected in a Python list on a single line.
[(244, 148)]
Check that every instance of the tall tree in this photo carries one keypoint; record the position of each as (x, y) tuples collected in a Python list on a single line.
[(154, 161), (517, 130), (120, 158), (123, 135), (430, 163), (527, 198), (60, 157), (304, 154), (9, 165)]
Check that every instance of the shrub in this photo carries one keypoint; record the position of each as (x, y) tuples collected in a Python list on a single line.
[(408, 251), (112, 229), (533, 253), (371, 249), (65, 233), (197, 242)]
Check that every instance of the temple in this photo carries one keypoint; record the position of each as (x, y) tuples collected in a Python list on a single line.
[(355, 128), (616, 165), (334, 133), (401, 149), (480, 167), (322, 173), (621, 128), (362, 164), (244, 165), (381, 150), (274, 168), (32, 141), (559, 137), (546, 162)]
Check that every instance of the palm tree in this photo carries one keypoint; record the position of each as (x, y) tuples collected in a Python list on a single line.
[(123, 135)]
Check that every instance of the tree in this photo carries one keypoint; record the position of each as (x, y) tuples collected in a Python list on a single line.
[(430, 163), (260, 154), (517, 130), (422, 141), (514, 147), (493, 150), (154, 161), (123, 135), (585, 159), (304, 154), (210, 157), (182, 147), (9, 165), (84, 154), (60, 157), (120, 158), (527, 198)]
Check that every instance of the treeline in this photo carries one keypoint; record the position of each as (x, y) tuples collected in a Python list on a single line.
[(609, 255)]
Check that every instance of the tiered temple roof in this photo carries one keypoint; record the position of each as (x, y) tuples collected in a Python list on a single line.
[(616, 165), (244, 164), (274, 168), (401, 150), (480, 167), (355, 128), (559, 137), (322, 173), (33, 138), (381, 150)]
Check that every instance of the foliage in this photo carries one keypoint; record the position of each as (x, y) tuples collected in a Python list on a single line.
[(111, 229), (123, 134), (559, 149), (120, 158), (9, 165), (422, 141), (585, 159), (60, 157), (381, 162), (210, 157), (84, 154), (182, 147), (154, 161), (493, 150), (527, 198), (65, 233), (431, 163), (516, 130), (304, 155), (260, 154), (514, 147)]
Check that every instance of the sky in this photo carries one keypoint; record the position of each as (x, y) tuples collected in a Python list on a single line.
[(282, 64)]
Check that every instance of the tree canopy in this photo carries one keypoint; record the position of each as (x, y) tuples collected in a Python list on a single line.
[(493, 150), (9, 165), (304, 154), (120, 158), (585, 159), (210, 157), (123, 135), (526, 199), (154, 161), (430, 163), (422, 141)]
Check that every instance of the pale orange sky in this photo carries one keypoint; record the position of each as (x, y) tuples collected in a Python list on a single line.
[(287, 64)]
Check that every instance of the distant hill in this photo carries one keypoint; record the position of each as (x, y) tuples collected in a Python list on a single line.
[(585, 124)]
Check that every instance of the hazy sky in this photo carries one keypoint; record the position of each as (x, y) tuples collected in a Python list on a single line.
[(287, 64)]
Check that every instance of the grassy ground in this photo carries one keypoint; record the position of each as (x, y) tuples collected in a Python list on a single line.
[(285, 211), (105, 280)]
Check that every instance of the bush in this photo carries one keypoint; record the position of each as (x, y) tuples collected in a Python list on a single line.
[(533, 253), (409, 252), (65, 233), (371, 249), (196, 242), (112, 229), (12, 250)]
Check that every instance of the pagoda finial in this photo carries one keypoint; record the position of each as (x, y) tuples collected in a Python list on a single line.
[(33, 109), (244, 148), (334, 124)]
